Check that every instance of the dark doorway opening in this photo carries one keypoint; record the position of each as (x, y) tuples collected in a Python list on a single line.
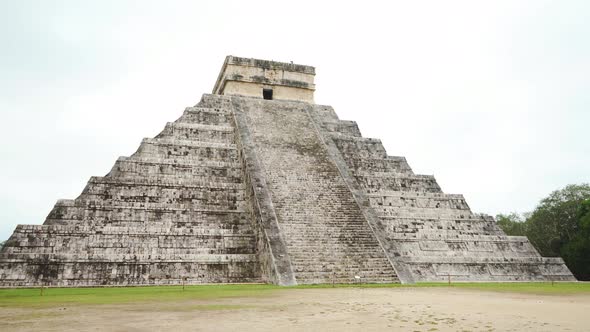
[(267, 94)]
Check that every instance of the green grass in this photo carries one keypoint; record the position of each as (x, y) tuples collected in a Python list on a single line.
[(541, 288), (30, 297)]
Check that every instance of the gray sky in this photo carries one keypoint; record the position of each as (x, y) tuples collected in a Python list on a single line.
[(489, 96)]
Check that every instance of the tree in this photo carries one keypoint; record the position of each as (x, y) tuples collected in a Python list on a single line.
[(554, 222), (559, 226), (512, 223), (576, 253)]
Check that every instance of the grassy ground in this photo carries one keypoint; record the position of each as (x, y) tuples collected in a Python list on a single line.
[(52, 296), (542, 288), (31, 297)]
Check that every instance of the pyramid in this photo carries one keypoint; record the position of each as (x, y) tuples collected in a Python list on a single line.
[(257, 183)]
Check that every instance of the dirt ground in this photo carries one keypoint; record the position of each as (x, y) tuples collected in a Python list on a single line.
[(338, 309)]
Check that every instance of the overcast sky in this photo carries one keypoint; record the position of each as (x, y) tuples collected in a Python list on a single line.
[(492, 97)]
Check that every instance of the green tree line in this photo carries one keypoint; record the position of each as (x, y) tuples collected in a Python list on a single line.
[(559, 226)]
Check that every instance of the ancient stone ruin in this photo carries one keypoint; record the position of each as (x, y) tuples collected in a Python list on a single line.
[(256, 183)]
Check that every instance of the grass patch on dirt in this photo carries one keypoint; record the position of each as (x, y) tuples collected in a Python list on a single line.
[(31, 297)]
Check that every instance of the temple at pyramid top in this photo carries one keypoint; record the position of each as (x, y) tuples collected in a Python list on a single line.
[(265, 79)]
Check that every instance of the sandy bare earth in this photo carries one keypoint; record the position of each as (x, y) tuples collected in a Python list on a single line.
[(339, 309)]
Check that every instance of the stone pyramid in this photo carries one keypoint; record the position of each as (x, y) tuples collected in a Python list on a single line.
[(256, 183)]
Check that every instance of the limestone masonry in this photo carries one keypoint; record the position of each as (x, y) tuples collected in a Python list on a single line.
[(256, 183)]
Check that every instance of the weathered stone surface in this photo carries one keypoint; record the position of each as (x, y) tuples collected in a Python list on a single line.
[(249, 77), (177, 209), (432, 234), (327, 237), (241, 189)]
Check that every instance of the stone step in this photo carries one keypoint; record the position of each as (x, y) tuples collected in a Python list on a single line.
[(446, 249), (68, 211), (444, 230), (182, 162), (303, 258), (86, 258), (422, 213), (128, 168), (303, 251), (473, 219), (188, 204), (176, 126), (143, 230), (491, 269), (434, 236), (113, 247), (359, 140), (223, 161), (129, 276), (442, 204), (189, 175), (163, 182), (340, 266), (444, 233), (448, 224), (397, 182), (207, 116), (198, 132), (215, 101), (324, 113), (341, 278), (345, 272), (96, 203), (172, 141), (328, 232), (204, 108), (473, 260), (187, 150), (343, 127), (388, 164), (359, 146), (147, 208), (133, 191), (447, 212), (321, 239), (201, 195)]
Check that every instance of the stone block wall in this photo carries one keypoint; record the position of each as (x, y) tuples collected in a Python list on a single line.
[(176, 209)]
